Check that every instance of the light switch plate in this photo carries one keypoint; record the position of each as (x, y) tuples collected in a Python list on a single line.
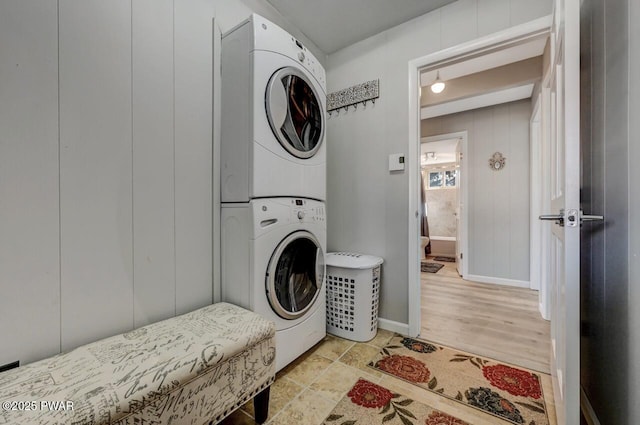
[(396, 162)]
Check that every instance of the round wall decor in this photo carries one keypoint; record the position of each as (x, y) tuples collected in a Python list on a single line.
[(497, 161)]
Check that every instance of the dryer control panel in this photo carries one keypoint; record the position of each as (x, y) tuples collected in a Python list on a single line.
[(269, 36)]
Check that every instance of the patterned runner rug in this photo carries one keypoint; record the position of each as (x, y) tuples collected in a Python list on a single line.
[(371, 404), (507, 392), (430, 267)]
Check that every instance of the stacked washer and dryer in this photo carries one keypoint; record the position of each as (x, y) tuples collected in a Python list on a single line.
[(273, 182)]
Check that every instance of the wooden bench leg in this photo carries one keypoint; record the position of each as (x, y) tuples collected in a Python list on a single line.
[(261, 405)]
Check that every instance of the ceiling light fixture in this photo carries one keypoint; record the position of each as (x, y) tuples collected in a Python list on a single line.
[(437, 85)]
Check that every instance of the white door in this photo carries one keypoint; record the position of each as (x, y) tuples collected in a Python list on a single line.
[(459, 206), (564, 252)]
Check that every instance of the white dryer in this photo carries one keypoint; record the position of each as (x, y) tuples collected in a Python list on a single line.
[(273, 115), (273, 264)]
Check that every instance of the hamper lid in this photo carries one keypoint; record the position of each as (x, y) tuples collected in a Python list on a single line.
[(352, 260)]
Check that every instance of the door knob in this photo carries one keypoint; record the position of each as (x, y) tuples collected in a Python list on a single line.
[(584, 217), (572, 217), (558, 218)]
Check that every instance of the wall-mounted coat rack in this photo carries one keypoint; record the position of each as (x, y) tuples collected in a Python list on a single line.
[(353, 96)]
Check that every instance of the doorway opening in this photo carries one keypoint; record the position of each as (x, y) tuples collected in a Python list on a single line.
[(492, 252), (443, 199)]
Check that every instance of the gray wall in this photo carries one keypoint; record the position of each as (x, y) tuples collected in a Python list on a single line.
[(633, 380), (498, 206), (106, 169), (610, 337), (367, 206)]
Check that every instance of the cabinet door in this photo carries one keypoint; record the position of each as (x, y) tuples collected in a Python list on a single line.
[(29, 226), (95, 169)]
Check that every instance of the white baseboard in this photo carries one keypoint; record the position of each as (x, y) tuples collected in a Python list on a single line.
[(498, 281), (543, 313), (587, 410), (397, 327)]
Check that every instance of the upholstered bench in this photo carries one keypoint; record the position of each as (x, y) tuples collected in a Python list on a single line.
[(193, 369)]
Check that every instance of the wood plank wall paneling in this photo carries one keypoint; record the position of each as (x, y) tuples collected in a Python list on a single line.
[(29, 251), (193, 36), (105, 168), (153, 165), (95, 169)]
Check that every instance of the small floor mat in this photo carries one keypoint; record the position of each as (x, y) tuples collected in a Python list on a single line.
[(446, 259), (430, 267)]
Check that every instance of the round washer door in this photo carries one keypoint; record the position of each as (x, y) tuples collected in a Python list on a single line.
[(295, 275), (294, 112)]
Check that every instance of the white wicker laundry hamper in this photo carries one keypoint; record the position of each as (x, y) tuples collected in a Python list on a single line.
[(353, 292)]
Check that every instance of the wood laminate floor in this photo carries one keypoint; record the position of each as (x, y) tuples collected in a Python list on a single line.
[(501, 322)]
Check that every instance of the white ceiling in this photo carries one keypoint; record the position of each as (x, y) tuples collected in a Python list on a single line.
[(445, 151), (529, 49), (481, 100), (335, 24)]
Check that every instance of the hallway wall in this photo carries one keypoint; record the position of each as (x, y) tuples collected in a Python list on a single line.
[(367, 206), (498, 207)]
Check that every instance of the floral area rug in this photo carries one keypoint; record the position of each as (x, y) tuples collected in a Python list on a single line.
[(507, 392), (430, 267), (371, 404)]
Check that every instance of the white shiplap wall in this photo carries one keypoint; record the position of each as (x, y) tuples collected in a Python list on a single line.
[(29, 208), (106, 169), (106, 221), (95, 170)]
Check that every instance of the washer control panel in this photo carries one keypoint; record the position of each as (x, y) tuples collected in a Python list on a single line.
[(271, 213), (307, 210)]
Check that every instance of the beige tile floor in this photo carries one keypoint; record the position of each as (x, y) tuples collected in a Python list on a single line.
[(307, 390)]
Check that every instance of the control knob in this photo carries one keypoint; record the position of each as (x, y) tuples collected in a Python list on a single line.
[(300, 215)]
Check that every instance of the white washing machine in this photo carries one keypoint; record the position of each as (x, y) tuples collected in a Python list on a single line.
[(273, 115), (273, 264)]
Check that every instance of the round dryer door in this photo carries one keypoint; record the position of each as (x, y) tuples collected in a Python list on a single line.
[(295, 275), (294, 112)]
